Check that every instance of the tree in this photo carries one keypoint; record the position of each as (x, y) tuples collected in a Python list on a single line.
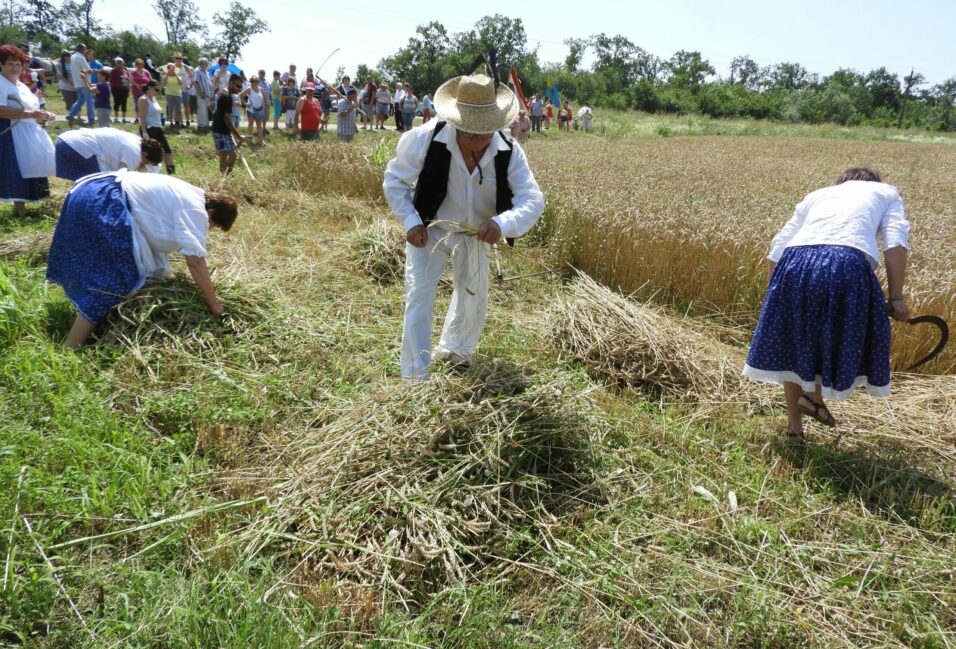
[(181, 19), (884, 87), (789, 77), (426, 61), (689, 70), (77, 21), (505, 34), (9, 11), (912, 80), (239, 24), (745, 72), (576, 49), (42, 19), (622, 63)]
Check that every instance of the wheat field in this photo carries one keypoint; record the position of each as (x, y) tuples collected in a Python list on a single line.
[(689, 220)]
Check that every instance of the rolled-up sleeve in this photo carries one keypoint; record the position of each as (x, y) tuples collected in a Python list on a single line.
[(527, 205), (788, 232), (894, 228), (402, 173)]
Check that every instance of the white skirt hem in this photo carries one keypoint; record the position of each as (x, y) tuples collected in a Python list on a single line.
[(779, 377)]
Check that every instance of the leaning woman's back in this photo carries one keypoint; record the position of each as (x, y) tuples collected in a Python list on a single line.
[(169, 213), (848, 214)]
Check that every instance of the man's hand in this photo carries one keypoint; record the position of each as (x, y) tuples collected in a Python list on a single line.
[(901, 310), (417, 236), (489, 232), (217, 309)]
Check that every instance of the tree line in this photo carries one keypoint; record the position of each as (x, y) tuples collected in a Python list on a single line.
[(622, 75)]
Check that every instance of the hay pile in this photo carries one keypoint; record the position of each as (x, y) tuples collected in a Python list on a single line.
[(638, 345), (34, 247), (413, 488), (171, 314), (379, 250)]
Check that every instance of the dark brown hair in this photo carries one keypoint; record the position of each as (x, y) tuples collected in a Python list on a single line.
[(224, 209), (859, 173), (153, 150), (8, 52)]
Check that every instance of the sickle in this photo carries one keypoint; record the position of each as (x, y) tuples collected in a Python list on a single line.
[(939, 323)]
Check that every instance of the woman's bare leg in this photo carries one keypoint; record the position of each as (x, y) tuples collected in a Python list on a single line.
[(792, 393), (79, 332)]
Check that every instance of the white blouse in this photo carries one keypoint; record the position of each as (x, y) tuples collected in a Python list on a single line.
[(850, 214), (111, 146)]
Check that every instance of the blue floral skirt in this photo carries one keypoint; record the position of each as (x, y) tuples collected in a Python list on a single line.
[(70, 165), (13, 186), (91, 255), (823, 322)]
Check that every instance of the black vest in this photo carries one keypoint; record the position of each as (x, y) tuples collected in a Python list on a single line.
[(432, 185)]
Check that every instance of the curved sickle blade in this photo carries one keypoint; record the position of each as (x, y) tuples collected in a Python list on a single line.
[(940, 324)]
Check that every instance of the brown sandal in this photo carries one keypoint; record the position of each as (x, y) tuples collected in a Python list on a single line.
[(816, 410)]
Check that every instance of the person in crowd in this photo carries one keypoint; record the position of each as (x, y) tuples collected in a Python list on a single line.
[(87, 151), (27, 156), (119, 88), (80, 75), (267, 95), (185, 74), (324, 94), (443, 187), (220, 78), (823, 329), (548, 115), (368, 99), (256, 107), (236, 100), (409, 108), (521, 126), (383, 99), (63, 79), (427, 108), (536, 111), (586, 119), (202, 85), (173, 85), (309, 109), (225, 135), (101, 99), (564, 118), (150, 115), (309, 78), (290, 98), (138, 78), (345, 117), (289, 73), (95, 66), (117, 229), (398, 98), (275, 90), (345, 86)]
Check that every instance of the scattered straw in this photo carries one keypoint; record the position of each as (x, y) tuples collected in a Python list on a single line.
[(639, 345), (34, 247), (379, 250)]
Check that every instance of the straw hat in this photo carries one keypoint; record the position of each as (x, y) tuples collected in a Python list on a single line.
[(470, 104)]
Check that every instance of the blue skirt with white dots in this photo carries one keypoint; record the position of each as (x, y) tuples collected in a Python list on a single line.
[(823, 322), (91, 255), (70, 165)]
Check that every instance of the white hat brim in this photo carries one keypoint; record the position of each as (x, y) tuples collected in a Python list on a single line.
[(473, 119)]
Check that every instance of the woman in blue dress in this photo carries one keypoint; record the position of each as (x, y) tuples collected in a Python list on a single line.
[(116, 230), (823, 329), (26, 152)]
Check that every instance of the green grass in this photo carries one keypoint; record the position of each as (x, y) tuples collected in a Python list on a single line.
[(831, 545)]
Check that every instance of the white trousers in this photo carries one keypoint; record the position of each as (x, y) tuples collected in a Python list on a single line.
[(469, 300), (202, 113)]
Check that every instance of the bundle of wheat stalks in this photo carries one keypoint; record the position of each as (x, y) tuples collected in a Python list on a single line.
[(640, 345), (379, 250), (34, 247), (425, 485)]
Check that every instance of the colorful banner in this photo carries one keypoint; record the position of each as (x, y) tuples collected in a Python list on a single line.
[(519, 91)]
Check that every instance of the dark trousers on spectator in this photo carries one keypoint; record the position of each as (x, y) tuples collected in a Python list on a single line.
[(399, 121), (536, 123)]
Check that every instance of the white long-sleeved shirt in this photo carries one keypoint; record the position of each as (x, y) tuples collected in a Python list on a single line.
[(471, 196), (850, 214)]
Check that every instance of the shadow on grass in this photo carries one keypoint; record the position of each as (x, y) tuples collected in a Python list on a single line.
[(890, 485)]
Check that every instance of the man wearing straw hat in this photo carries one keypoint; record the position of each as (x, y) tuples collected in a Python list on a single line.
[(457, 185)]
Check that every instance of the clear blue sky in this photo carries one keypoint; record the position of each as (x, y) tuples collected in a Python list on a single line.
[(822, 35)]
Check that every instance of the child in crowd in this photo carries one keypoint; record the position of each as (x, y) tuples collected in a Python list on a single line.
[(101, 100), (345, 122)]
